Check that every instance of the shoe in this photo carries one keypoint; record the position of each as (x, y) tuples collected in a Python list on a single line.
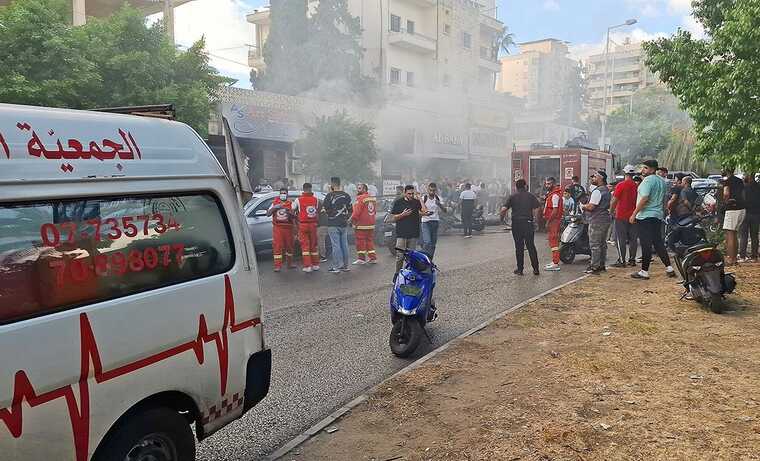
[(640, 275), (518, 272), (345, 269), (359, 262), (468, 236), (315, 268), (670, 273), (552, 268), (631, 263), (306, 269), (620, 265), (372, 261), (593, 271), (536, 272), (323, 259), (333, 271), (277, 269)]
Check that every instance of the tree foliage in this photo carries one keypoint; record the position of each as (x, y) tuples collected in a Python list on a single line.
[(337, 145), (647, 129), (717, 80), (679, 154), (322, 51), (116, 61)]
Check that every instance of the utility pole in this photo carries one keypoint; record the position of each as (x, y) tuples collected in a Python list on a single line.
[(79, 14)]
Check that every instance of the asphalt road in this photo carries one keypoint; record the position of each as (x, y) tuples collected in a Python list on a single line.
[(329, 337)]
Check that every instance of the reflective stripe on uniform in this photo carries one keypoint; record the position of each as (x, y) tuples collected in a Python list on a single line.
[(555, 248), (277, 256), (365, 227), (371, 252)]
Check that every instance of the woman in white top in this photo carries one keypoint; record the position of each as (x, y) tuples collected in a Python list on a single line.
[(430, 221)]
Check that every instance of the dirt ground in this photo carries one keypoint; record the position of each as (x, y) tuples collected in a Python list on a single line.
[(608, 368)]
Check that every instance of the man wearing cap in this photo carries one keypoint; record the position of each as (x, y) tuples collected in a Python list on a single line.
[(622, 206), (598, 208), (649, 215)]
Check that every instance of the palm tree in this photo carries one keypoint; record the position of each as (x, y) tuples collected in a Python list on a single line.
[(679, 155), (502, 42)]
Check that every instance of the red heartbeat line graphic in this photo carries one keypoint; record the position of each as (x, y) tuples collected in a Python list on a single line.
[(4, 145), (79, 414)]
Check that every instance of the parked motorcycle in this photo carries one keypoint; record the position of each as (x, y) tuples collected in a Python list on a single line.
[(700, 263), (412, 305), (574, 240), (452, 221)]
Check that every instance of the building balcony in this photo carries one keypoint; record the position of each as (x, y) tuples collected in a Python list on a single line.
[(416, 43), (489, 64), (491, 23)]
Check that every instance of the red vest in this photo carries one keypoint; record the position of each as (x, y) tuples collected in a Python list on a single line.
[(550, 211), (282, 217), (365, 209), (307, 208)]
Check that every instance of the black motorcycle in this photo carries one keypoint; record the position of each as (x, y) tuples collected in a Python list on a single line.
[(700, 263), (451, 221)]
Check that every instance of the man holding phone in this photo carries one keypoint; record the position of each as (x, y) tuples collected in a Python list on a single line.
[(406, 212)]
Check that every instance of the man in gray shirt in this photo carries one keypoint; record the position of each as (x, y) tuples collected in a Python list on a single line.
[(598, 209)]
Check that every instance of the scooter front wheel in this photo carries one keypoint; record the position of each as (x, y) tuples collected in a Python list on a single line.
[(406, 335), (714, 302)]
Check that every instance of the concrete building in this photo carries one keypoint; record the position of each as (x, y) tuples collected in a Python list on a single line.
[(626, 74), (437, 61), (539, 74), (81, 9), (427, 44)]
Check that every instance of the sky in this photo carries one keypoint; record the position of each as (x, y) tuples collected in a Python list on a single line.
[(582, 23)]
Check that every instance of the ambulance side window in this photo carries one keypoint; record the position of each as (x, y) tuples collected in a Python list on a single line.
[(60, 254)]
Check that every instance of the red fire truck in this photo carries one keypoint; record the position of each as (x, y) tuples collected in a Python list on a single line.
[(562, 163)]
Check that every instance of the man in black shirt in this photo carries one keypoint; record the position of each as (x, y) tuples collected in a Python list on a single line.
[(406, 212), (733, 196), (749, 231), (523, 205), (337, 205)]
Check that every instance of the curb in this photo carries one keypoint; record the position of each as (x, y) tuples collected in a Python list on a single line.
[(332, 417)]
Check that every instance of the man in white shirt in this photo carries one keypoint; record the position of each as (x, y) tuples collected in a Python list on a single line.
[(467, 202), (431, 219)]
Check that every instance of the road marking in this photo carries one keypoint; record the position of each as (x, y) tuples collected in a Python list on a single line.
[(332, 417)]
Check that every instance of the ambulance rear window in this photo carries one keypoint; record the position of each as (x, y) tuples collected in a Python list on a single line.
[(56, 255)]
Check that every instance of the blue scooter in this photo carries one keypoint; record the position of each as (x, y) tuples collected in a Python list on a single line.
[(412, 304)]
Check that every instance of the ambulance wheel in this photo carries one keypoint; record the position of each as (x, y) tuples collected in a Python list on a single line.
[(406, 335), (567, 254), (156, 434)]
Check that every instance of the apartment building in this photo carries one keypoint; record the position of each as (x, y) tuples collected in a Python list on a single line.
[(426, 44), (438, 62), (626, 74), (539, 74)]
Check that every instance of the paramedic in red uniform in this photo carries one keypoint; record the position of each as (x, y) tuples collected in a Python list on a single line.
[(553, 211), (306, 207), (282, 229), (363, 219)]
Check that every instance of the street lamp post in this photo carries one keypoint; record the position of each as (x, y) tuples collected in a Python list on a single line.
[(629, 22)]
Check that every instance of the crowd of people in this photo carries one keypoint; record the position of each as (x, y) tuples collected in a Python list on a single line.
[(632, 214)]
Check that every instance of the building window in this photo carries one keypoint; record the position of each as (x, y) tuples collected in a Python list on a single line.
[(466, 40), (410, 27), (447, 29), (395, 75), (410, 79), (446, 80), (395, 23)]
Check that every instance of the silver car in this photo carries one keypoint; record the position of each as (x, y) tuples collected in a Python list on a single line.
[(260, 225)]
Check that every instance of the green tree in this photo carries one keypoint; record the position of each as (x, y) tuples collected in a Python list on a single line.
[(679, 154), (116, 61), (320, 52), (717, 80), (337, 145), (645, 130)]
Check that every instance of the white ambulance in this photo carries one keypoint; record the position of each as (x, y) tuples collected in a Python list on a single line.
[(129, 297)]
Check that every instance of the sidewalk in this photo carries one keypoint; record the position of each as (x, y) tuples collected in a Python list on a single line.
[(638, 375)]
